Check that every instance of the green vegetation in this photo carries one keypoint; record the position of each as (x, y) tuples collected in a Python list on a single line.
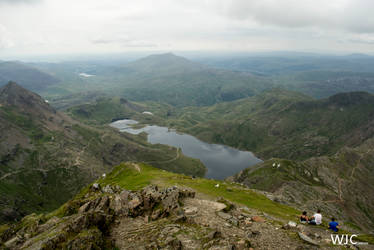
[(44, 153), (104, 110), (280, 123), (127, 176), (161, 78)]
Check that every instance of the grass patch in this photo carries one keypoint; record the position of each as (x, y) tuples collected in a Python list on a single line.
[(126, 176)]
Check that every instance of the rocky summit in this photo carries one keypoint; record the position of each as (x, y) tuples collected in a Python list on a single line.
[(108, 216)]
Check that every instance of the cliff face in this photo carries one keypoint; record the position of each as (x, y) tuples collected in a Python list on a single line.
[(106, 216)]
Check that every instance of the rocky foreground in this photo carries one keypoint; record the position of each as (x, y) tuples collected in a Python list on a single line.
[(172, 218)]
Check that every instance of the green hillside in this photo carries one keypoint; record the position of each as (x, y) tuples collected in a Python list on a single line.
[(44, 152), (27, 76), (280, 123), (163, 78), (331, 184)]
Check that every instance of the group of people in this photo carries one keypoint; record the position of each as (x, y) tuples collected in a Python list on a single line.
[(316, 219)]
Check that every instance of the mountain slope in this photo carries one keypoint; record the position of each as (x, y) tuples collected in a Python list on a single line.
[(126, 210), (44, 152), (163, 78), (340, 185), (177, 81), (284, 124), (105, 110), (29, 77)]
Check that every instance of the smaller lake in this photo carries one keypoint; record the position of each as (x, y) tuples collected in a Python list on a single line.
[(220, 161)]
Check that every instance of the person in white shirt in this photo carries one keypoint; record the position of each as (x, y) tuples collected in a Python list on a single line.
[(317, 218)]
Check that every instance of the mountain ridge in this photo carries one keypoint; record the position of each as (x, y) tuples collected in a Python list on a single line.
[(331, 184), (43, 151), (27, 76), (280, 123), (135, 206)]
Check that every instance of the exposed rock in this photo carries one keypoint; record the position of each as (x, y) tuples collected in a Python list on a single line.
[(92, 239), (190, 210), (140, 220), (234, 222), (292, 224), (307, 239), (225, 216), (88, 220), (254, 234), (84, 208), (248, 222), (108, 189), (243, 244), (214, 234), (175, 244)]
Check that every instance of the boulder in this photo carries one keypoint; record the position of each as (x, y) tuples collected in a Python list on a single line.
[(307, 239), (243, 244), (108, 189), (214, 235), (190, 210), (224, 215)]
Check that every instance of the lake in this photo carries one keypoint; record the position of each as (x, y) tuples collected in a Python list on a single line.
[(221, 161)]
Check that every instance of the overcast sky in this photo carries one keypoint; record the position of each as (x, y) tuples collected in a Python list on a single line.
[(30, 27)]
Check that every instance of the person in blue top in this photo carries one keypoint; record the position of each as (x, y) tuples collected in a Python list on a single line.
[(333, 225)]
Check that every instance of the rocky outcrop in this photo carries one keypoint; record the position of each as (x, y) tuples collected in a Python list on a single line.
[(86, 222), (107, 217)]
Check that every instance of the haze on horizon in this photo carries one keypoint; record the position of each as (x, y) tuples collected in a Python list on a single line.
[(42, 27)]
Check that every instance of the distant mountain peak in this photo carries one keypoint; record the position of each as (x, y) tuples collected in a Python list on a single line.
[(165, 61), (12, 94)]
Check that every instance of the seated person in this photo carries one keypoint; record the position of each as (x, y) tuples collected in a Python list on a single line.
[(333, 225), (304, 218), (316, 219)]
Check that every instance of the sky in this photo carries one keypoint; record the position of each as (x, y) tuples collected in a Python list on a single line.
[(42, 27)]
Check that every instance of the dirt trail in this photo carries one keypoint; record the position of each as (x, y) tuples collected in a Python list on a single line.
[(167, 161), (9, 174), (18, 171), (77, 160), (358, 165)]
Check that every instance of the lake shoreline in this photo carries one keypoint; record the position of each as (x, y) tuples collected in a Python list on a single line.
[(221, 161)]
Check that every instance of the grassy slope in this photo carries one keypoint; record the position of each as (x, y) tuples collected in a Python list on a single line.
[(133, 176), (126, 176), (104, 110), (329, 183)]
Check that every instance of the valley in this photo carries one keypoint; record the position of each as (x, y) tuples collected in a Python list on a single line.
[(44, 152), (321, 136), (221, 161), (183, 125)]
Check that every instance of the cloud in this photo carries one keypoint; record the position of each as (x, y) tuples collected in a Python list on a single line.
[(125, 42), (6, 41), (349, 15), (20, 1), (97, 26)]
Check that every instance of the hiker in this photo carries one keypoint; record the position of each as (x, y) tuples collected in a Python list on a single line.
[(304, 218), (333, 225), (316, 219)]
